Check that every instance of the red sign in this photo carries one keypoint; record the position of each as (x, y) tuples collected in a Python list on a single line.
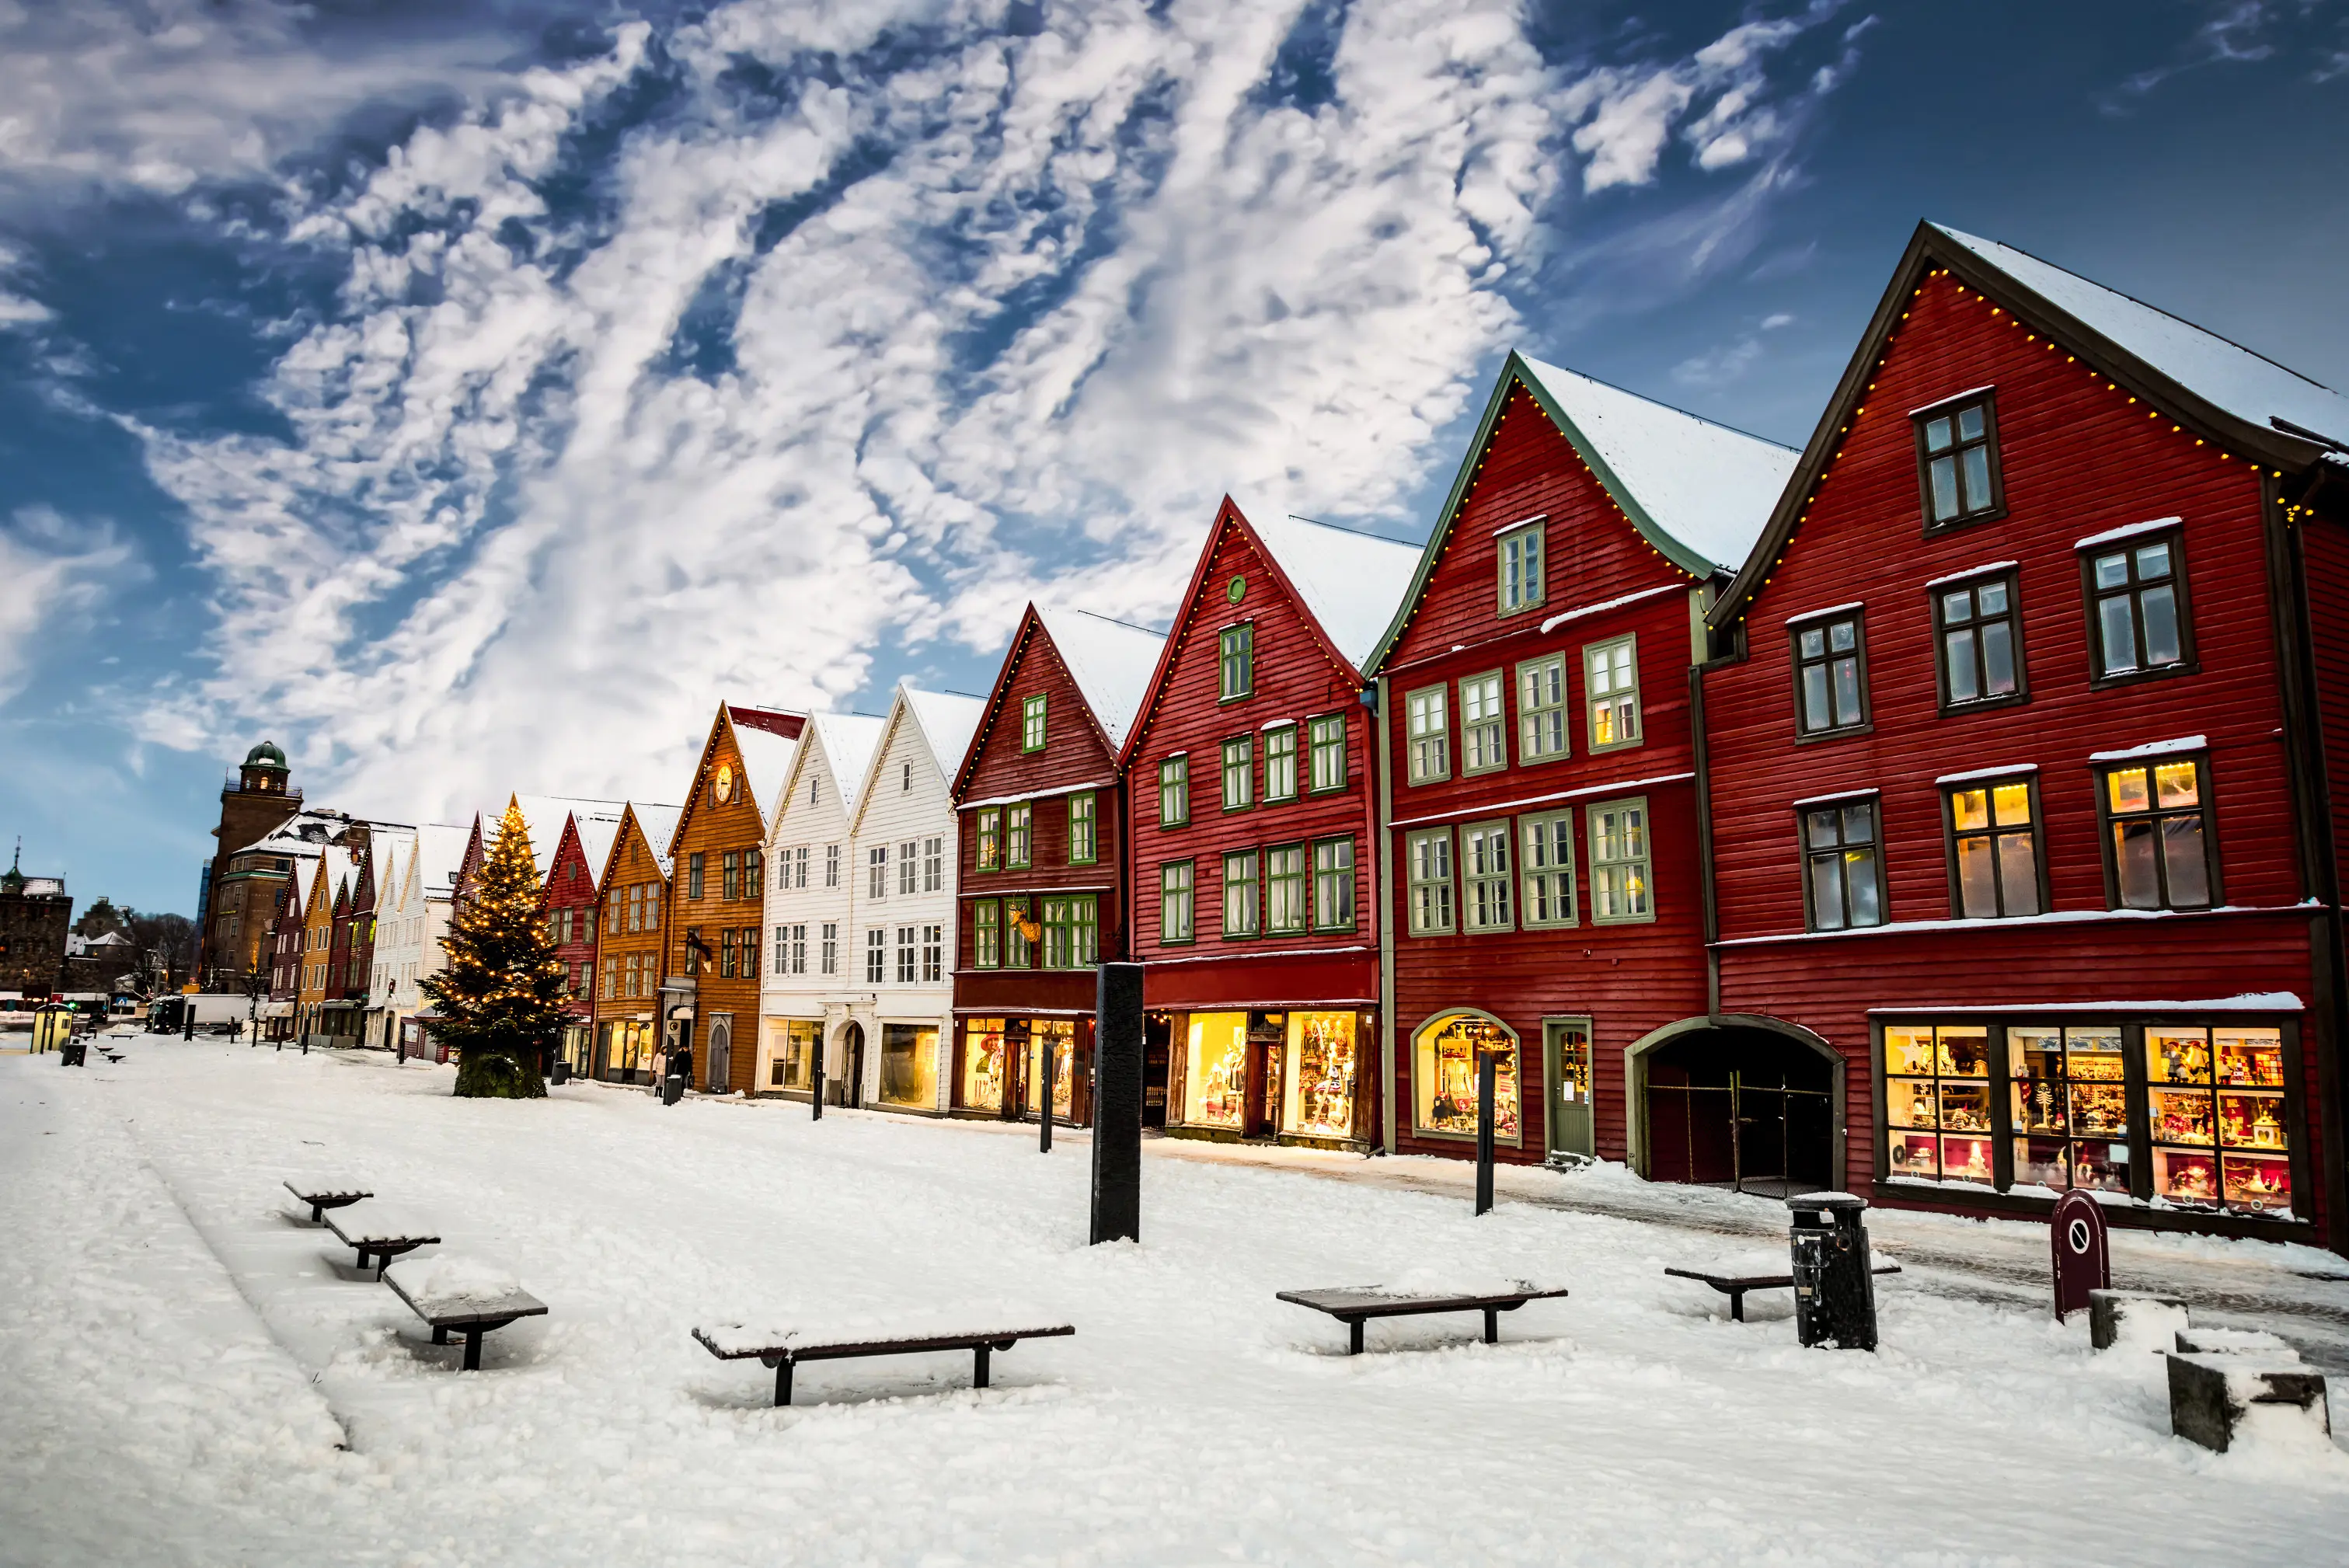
[(2083, 1264)]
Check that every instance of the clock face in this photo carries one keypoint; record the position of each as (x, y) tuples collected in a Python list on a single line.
[(723, 785)]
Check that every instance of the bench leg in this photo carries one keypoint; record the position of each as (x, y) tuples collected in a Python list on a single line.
[(1492, 1326), (978, 1365), (1354, 1337), (318, 1213), (440, 1337), (784, 1381), (472, 1350), (1736, 1307)]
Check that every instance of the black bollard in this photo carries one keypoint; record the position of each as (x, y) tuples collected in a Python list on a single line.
[(1487, 1072), (1117, 1103), (1044, 1099), (815, 1068), (188, 1018), (1835, 1290)]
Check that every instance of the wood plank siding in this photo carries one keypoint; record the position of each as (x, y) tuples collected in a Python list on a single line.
[(631, 947)]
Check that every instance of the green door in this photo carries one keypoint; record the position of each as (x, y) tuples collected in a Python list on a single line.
[(1566, 1072)]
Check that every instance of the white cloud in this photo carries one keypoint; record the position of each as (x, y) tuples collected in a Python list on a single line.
[(1094, 280), (53, 571)]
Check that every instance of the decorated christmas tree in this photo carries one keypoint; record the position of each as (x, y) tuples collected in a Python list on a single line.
[(501, 996)]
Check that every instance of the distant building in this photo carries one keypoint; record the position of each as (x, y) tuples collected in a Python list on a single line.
[(36, 919), (242, 883)]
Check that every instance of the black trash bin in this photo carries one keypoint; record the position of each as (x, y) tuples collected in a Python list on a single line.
[(672, 1090), (74, 1054), (1835, 1293), (562, 1073)]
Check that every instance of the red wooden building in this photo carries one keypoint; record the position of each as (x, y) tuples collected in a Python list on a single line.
[(569, 842), (1251, 815), (2021, 752), (1545, 882), (1041, 817)]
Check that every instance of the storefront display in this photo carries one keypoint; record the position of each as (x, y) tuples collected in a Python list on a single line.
[(792, 1044), (2070, 1101), (1061, 1035), (1214, 1077), (625, 1048), (1317, 1096), (978, 1075), (1443, 1075), (2216, 1100), (1937, 1102), (909, 1065)]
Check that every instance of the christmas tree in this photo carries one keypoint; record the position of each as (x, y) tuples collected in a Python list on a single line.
[(501, 996)]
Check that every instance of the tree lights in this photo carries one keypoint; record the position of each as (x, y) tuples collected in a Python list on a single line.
[(501, 996)]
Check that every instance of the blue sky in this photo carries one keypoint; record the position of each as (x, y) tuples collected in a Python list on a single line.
[(468, 396)]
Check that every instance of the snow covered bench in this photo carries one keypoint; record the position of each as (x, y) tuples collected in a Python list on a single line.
[(472, 1298), (783, 1346), (382, 1235), (1735, 1286), (1355, 1304), (324, 1193)]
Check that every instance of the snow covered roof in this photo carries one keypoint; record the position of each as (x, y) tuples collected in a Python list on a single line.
[(766, 763), (543, 816), (595, 835), (1111, 661), (659, 825), (439, 851), (1711, 488), (849, 740), (389, 850), (947, 719), (1351, 581), (2248, 385), (334, 871)]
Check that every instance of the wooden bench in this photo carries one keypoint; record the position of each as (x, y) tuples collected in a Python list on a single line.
[(1735, 1287), (460, 1295), (1356, 1304), (382, 1237), (324, 1196), (782, 1349)]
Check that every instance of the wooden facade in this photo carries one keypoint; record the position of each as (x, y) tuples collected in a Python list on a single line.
[(631, 946)]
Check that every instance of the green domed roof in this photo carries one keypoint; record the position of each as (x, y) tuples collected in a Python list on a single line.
[(266, 755)]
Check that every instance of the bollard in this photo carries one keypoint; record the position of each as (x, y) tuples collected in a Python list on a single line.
[(1488, 1068), (1835, 1295), (815, 1100), (1044, 1099), (2075, 1236), (672, 1090), (1117, 1103)]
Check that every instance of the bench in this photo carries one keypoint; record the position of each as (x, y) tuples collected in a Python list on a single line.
[(782, 1349), (472, 1298), (1735, 1287), (1355, 1304), (324, 1196), (382, 1237)]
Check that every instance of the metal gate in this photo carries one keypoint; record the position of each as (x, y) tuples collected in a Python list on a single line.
[(1751, 1130)]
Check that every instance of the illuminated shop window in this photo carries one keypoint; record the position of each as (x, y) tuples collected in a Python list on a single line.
[(1443, 1075), (1937, 1103)]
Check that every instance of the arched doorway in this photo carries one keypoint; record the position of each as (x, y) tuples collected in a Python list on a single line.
[(851, 1062), (1748, 1103)]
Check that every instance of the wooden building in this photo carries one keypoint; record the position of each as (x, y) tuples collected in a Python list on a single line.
[(2021, 746), (328, 895), (569, 842), (718, 853), (1041, 825), (289, 935), (1251, 822), (1545, 882), (632, 891)]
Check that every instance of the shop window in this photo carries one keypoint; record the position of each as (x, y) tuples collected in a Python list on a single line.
[(1174, 901), (1429, 737), (876, 871), (1956, 461), (1545, 863), (2070, 1105), (1484, 734), (2160, 844), (909, 1065), (1318, 1092), (1283, 888), (1061, 1036), (1021, 933), (1215, 1069), (794, 1054), (1327, 737), (1936, 1107), (1484, 876), (1979, 641), (1843, 885), (1235, 662), (1830, 674), (1174, 791), (979, 1083), (1242, 893), (1333, 884), (2138, 624), (1541, 709), (986, 935), (1994, 857), (1444, 1055), (1520, 560), (1611, 674), (1240, 770), (2220, 1132), (909, 867), (1429, 855), (1280, 763), (1032, 723), (1084, 844), (1620, 872)]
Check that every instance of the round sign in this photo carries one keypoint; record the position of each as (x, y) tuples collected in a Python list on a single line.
[(2077, 1234), (1235, 590), (723, 785)]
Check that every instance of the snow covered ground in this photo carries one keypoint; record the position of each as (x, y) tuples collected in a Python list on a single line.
[(190, 1372)]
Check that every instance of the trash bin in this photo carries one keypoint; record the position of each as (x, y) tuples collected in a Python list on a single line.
[(562, 1073), (672, 1090), (1835, 1293)]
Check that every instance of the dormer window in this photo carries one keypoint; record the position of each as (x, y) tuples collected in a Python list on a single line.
[(1520, 553), (1957, 461)]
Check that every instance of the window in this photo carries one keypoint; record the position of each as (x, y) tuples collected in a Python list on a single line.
[(2219, 1124), (2069, 1098), (747, 940), (1956, 461), (1995, 858), (1174, 791), (2158, 836), (1545, 863), (1619, 863), (905, 970), (1484, 876), (1071, 931), (813, 793), (1019, 934), (652, 906), (1031, 723), (693, 870), (986, 935), (1541, 709), (934, 864), (876, 956), (1327, 737), (725, 954), (831, 954), (906, 782), (1446, 1059), (1979, 638), (1174, 901), (1280, 763), (2136, 597), (1283, 888), (990, 839), (1521, 568), (1239, 759), (1429, 855), (782, 963), (1428, 734), (730, 875), (800, 867), (1830, 675), (1242, 890), (615, 914), (1084, 845), (1843, 883), (1937, 1102), (876, 871), (754, 874), (909, 866), (1017, 834), (831, 865), (1611, 674), (1235, 665), (1333, 884), (799, 949), (609, 978), (1484, 739)]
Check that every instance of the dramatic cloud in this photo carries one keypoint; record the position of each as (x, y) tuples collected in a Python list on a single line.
[(52, 571), (877, 322)]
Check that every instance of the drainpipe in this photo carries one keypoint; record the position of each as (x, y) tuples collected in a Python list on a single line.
[(1384, 879)]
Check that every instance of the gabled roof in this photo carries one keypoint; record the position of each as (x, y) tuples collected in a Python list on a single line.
[(439, 851), (1111, 661), (1350, 581), (543, 816), (334, 872), (659, 825), (766, 738), (947, 720), (847, 742), (766, 763), (2219, 391), (596, 837)]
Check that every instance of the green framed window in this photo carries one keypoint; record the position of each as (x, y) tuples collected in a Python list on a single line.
[(1280, 763), (1235, 662), (1428, 864), (1283, 888), (1019, 948), (1486, 881), (1018, 834), (1031, 723), (1546, 869), (1084, 839), (986, 935), (1175, 890), (1174, 791), (1484, 738), (1620, 871), (1239, 773), (1519, 556), (1071, 930), (1243, 890), (1333, 884), (990, 839), (1326, 737)]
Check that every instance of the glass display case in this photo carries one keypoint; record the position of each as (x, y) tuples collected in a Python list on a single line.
[(1444, 1076), (978, 1082), (2220, 1131), (1937, 1102), (1062, 1034), (1214, 1070), (2069, 1105), (1317, 1100)]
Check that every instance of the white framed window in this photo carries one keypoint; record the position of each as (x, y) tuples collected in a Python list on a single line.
[(934, 957), (1175, 890), (1429, 735), (1328, 738), (1520, 560), (876, 871), (1243, 892), (909, 867), (1610, 674), (905, 970), (1546, 865), (934, 864), (799, 949), (831, 865), (1619, 891), (876, 957), (1541, 709), (1428, 857), (1483, 735), (1485, 878), (1239, 773)]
